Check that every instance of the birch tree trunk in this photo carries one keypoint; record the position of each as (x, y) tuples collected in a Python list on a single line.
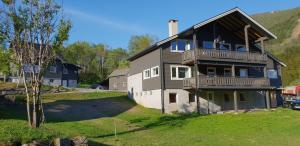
[(35, 31)]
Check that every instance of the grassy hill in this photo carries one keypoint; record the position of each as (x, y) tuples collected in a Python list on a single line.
[(286, 26)]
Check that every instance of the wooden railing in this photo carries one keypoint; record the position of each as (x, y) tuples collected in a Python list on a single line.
[(226, 82), (224, 55)]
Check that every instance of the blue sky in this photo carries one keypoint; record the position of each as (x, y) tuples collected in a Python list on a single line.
[(113, 22)]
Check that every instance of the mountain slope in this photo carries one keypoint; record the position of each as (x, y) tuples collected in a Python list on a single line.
[(286, 26)]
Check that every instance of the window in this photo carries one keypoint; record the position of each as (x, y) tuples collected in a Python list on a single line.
[(136, 94), (242, 97), (243, 72), (180, 72), (226, 98), (191, 98), (172, 97), (240, 48), (155, 71), (208, 45), (272, 74), (211, 71), (51, 80), (53, 69), (181, 45), (189, 45), (225, 46), (65, 70), (150, 92), (227, 72), (147, 74)]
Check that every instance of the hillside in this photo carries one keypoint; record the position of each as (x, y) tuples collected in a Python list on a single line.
[(286, 26)]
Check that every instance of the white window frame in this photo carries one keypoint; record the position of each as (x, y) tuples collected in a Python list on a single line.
[(153, 72), (187, 47), (144, 74), (52, 69), (177, 77), (214, 68)]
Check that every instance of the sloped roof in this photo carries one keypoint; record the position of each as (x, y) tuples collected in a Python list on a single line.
[(255, 24), (119, 72)]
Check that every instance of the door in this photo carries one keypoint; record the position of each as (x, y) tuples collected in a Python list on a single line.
[(210, 102)]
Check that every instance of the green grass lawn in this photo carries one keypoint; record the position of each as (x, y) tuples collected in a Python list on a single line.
[(95, 115)]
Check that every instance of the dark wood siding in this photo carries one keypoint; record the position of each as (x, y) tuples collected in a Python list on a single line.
[(171, 84), (147, 61)]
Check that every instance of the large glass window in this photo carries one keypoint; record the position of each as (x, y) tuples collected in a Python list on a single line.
[(208, 45), (52, 69), (241, 48), (181, 45), (174, 46), (180, 72), (225, 46), (243, 72), (272, 74)]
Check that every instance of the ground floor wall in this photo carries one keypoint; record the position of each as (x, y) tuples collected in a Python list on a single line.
[(149, 98)]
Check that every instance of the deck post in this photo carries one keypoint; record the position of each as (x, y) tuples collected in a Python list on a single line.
[(233, 70), (246, 37), (265, 71), (196, 70), (235, 101), (268, 99)]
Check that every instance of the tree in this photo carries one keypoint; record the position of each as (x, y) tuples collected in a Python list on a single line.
[(114, 57), (35, 31), (4, 62), (139, 43)]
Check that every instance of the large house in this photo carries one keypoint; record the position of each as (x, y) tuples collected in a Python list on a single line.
[(217, 65), (118, 80), (58, 73)]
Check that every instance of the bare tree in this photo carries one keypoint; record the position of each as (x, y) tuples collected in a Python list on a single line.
[(35, 30)]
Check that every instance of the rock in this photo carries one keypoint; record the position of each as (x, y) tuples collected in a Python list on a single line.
[(79, 141)]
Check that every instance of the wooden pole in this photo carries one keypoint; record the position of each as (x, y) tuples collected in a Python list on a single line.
[(268, 99), (246, 37), (196, 70), (235, 101)]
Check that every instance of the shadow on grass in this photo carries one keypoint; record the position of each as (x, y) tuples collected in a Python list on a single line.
[(94, 143), (168, 121), (73, 110)]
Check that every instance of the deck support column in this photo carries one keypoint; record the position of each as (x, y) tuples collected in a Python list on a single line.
[(268, 99), (235, 101), (246, 37), (196, 69), (233, 70), (265, 71)]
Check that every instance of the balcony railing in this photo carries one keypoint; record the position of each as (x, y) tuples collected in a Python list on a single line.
[(224, 55), (226, 82)]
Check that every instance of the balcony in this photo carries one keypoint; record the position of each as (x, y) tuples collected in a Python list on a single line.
[(223, 55), (206, 82)]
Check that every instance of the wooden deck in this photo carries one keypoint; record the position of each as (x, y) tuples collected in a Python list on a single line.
[(223, 55), (226, 83)]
